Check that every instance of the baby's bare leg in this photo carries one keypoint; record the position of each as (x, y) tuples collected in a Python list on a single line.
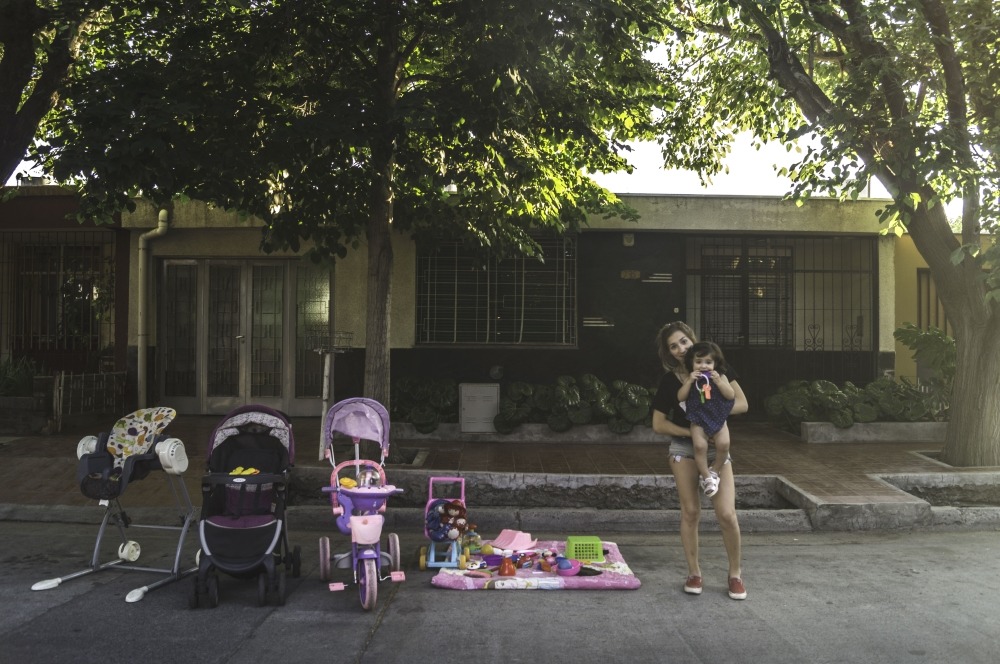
[(700, 441), (721, 440)]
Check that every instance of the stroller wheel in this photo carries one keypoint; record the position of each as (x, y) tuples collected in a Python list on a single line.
[(395, 564), (281, 590), (324, 559), (194, 595), (213, 590), (262, 589), (296, 561)]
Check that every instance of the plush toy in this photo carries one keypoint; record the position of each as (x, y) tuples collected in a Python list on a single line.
[(435, 513), (453, 520)]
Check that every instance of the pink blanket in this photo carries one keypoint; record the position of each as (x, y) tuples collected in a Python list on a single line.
[(614, 575)]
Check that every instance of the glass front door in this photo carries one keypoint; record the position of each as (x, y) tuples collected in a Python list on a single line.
[(227, 335)]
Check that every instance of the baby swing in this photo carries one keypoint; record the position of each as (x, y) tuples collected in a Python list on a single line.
[(108, 462)]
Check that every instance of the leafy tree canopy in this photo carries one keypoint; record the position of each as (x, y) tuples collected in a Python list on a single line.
[(296, 110), (39, 41), (904, 91)]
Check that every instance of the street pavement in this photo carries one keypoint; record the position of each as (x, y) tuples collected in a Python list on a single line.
[(814, 597)]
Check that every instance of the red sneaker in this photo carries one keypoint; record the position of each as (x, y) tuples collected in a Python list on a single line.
[(736, 588), (693, 585)]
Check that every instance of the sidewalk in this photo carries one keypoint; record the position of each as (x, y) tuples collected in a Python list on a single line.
[(837, 485)]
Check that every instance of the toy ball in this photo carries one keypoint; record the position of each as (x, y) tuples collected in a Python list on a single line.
[(563, 563)]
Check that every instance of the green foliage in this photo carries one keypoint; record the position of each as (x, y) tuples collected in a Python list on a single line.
[(822, 401), (934, 350), (424, 403), (575, 402), (17, 377), (905, 93), (259, 106)]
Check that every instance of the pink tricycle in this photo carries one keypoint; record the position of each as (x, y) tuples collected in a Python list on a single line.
[(359, 500)]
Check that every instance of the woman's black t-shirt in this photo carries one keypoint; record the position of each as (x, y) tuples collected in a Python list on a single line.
[(666, 401)]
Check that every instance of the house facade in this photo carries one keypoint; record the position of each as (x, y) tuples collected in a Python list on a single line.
[(203, 321)]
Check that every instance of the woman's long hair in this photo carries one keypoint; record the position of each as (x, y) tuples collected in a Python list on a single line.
[(662, 348)]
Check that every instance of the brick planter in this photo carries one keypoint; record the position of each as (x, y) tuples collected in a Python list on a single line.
[(22, 416), (882, 432)]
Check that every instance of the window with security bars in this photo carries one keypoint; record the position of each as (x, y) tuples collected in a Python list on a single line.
[(56, 291), (802, 293), (312, 327), (930, 310), (746, 297), (462, 299)]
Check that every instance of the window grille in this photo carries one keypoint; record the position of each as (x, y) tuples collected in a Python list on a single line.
[(812, 294), (312, 327), (746, 295), (462, 299), (930, 310), (56, 292)]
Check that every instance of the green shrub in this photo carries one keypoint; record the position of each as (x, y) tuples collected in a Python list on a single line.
[(934, 350), (17, 377), (424, 403), (822, 401), (566, 403), (572, 401)]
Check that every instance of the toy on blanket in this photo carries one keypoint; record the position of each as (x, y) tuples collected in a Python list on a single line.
[(447, 520)]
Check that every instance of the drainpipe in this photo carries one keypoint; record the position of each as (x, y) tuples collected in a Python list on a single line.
[(163, 223)]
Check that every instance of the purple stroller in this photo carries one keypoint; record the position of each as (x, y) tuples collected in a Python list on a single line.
[(242, 530), (359, 499)]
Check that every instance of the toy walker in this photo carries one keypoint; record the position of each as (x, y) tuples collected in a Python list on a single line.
[(446, 543), (359, 500)]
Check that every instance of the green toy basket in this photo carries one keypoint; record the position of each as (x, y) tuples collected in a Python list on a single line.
[(585, 548)]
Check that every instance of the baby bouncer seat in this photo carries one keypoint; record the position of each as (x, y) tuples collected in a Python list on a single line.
[(109, 463)]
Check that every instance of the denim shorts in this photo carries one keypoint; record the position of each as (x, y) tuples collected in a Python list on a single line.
[(683, 448)]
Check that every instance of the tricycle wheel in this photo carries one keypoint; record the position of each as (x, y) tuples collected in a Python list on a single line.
[(367, 583), (395, 562), (324, 558)]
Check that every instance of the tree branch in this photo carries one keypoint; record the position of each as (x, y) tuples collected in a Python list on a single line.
[(19, 60), (944, 45)]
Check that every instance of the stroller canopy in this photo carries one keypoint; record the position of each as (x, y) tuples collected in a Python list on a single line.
[(265, 419), (359, 418)]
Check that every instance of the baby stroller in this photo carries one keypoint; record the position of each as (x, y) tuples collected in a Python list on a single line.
[(242, 529), (135, 447), (359, 499)]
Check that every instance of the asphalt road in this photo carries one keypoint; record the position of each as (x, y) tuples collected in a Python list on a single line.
[(928, 597)]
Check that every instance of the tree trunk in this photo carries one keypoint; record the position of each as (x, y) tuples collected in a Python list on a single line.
[(973, 437), (377, 323)]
